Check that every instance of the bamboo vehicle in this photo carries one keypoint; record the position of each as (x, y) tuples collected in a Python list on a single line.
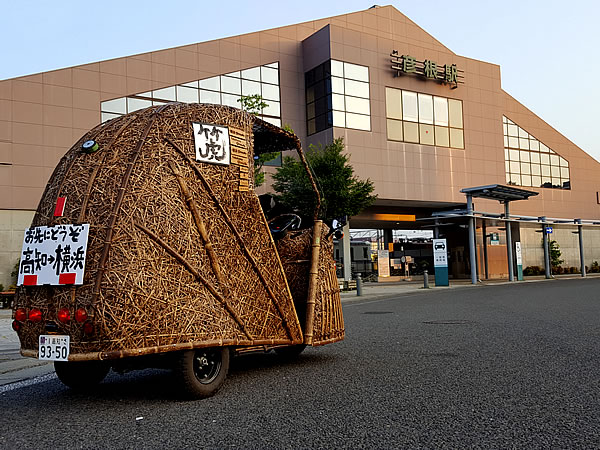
[(149, 248)]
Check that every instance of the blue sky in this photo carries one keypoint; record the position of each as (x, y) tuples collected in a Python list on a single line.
[(547, 50)]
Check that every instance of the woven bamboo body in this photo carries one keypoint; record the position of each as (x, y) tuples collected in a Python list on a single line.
[(179, 252)]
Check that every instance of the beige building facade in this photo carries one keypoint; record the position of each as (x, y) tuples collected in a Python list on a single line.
[(419, 120)]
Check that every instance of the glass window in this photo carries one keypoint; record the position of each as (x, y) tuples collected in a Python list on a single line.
[(515, 167), (546, 171), (554, 160), (250, 87), (544, 158), (356, 88), (409, 106), (525, 180), (193, 84), (311, 127), (310, 111), (426, 134), (230, 100), (231, 85), (555, 171), (524, 143), (210, 97), (563, 162), (534, 144), (269, 75), (339, 119), (441, 111), (393, 103), (536, 169), (456, 138), (358, 121), (535, 157), (337, 68), (425, 108), (455, 113), (118, 106), (442, 137), (337, 102), (357, 105), (167, 93), (513, 142), (187, 94), (270, 92), (525, 168), (134, 104), (506, 141), (523, 133), (514, 155), (235, 74), (337, 85), (564, 172), (251, 74), (107, 116), (536, 180), (272, 108), (524, 156), (544, 149), (411, 132), (273, 120), (274, 65), (515, 179), (354, 72), (513, 130), (394, 130), (213, 84)]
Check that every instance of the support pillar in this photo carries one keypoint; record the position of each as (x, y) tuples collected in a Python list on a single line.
[(509, 251), (472, 239), (485, 249), (581, 255), (546, 249), (346, 258)]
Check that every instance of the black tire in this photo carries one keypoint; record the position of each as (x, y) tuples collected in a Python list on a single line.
[(201, 372), (81, 375), (290, 352)]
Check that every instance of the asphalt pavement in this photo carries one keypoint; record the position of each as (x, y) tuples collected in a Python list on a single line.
[(506, 366)]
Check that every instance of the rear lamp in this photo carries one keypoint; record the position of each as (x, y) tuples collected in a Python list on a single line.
[(64, 315), (88, 328), (20, 315), (35, 315), (81, 315), (16, 325)]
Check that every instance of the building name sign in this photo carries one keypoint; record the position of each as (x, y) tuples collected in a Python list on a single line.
[(430, 70)]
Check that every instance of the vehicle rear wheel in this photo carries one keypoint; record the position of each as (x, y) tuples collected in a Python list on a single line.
[(81, 374), (202, 372), (290, 352)]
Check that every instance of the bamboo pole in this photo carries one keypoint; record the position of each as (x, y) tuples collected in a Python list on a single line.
[(312, 282)]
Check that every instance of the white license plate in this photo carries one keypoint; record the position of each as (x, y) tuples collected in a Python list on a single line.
[(54, 347)]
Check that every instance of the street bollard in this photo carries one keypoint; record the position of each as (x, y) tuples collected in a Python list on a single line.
[(426, 279), (358, 285)]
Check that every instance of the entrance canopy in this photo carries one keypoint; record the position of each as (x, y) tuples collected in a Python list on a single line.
[(498, 192)]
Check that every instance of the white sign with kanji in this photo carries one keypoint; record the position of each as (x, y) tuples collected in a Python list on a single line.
[(53, 255), (212, 143)]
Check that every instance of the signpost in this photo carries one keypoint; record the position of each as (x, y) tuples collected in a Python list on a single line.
[(519, 261), (383, 263), (494, 239), (440, 262)]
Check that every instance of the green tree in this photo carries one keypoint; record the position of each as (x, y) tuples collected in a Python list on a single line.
[(342, 193), (555, 254), (254, 104)]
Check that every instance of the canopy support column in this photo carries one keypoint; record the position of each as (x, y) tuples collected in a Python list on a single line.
[(509, 251)]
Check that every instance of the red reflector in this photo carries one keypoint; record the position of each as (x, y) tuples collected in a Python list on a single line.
[(67, 278), (16, 325), (29, 280), (81, 315), (60, 206), (64, 315), (88, 327), (20, 315), (35, 315)]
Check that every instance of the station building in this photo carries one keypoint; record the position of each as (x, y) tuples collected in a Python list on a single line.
[(420, 121)]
